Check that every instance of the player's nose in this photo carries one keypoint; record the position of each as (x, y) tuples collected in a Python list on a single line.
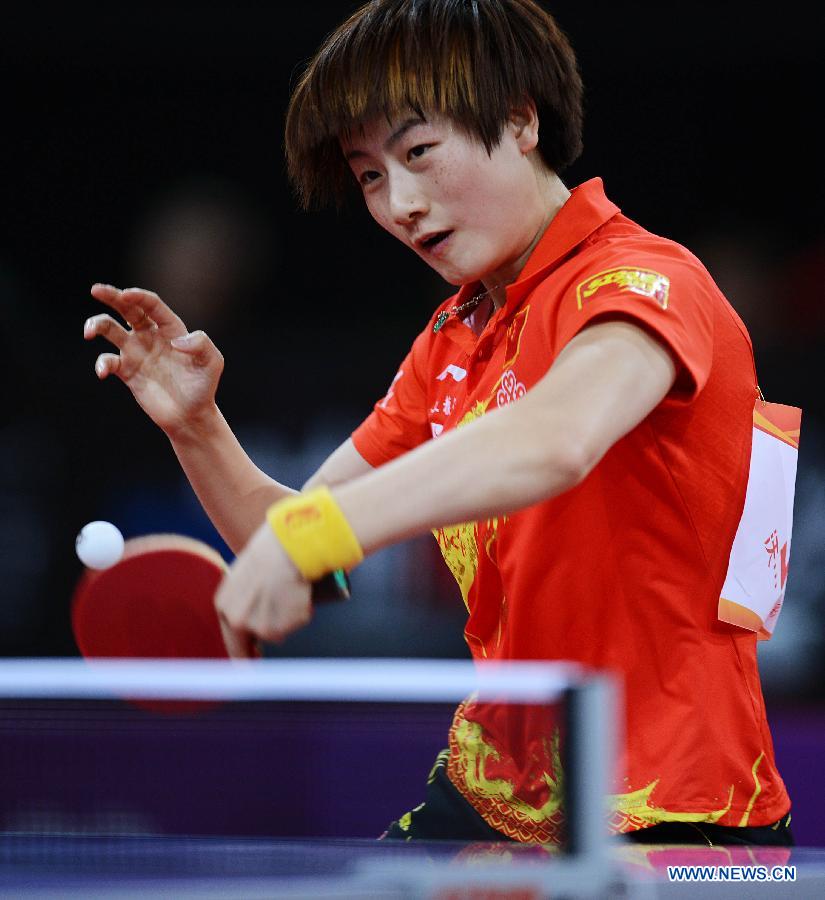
[(407, 199)]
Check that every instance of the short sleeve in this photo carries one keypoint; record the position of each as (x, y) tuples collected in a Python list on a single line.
[(398, 421), (671, 298)]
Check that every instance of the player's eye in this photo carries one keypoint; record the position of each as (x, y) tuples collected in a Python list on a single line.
[(418, 151), (368, 177)]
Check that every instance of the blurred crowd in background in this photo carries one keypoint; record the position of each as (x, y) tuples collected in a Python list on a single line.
[(144, 148)]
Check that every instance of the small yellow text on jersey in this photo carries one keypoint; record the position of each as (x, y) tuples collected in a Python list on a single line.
[(644, 282)]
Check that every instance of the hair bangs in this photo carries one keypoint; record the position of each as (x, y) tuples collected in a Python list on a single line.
[(466, 59)]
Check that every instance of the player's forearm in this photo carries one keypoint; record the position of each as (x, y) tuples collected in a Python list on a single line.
[(501, 463), (233, 491)]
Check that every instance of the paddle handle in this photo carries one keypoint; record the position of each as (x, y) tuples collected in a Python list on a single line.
[(334, 586)]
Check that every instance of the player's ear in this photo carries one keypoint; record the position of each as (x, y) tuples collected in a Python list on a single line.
[(524, 123)]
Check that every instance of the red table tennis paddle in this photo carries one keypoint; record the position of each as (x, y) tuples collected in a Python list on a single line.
[(158, 601)]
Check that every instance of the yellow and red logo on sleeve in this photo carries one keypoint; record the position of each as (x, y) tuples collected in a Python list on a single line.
[(644, 282)]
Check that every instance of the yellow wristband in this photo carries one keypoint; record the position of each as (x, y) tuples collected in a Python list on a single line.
[(314, 533)]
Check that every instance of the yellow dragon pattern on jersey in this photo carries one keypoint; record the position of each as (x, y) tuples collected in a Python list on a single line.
[(495, 799), (458, 543)]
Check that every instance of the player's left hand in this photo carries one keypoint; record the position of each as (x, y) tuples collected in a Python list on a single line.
[(263, 596)]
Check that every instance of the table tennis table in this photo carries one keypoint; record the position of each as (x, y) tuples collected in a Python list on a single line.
[(93, 866), (100, 798)]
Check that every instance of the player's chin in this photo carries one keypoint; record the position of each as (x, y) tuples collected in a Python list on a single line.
[(450, 273)]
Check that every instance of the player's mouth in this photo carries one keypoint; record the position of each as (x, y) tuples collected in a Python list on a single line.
[(434, 243)]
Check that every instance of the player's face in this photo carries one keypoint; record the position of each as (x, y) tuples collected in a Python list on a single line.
[(468, 214)]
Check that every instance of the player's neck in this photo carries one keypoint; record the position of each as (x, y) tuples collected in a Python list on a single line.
[(554, 195)]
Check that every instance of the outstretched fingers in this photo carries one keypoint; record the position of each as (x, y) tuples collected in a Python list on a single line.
[(105, 326), (154, 309), (139, 308), (107, 364)]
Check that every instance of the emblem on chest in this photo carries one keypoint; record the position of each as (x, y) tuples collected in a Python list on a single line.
[(510, 389)]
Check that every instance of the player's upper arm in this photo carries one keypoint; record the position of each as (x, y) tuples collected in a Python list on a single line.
[(607, 379), (344, 464)]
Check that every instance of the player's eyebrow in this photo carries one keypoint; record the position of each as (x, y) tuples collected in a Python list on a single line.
[(394, 138)]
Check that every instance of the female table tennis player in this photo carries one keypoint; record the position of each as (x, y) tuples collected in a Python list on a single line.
[(582, 404)]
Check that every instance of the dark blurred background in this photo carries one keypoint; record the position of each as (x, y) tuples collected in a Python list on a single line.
[(144, 146)]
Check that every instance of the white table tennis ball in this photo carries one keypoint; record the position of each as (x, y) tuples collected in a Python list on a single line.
[(99, 545)]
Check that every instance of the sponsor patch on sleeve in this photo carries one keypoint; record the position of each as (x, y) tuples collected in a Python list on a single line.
[(644, 282)]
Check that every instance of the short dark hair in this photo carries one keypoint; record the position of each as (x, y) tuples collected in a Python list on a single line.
[(471, 60)]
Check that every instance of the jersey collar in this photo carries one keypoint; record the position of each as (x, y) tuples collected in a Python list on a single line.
[(586, 209)]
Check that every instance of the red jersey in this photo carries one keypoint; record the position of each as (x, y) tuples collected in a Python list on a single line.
[(624, 571)]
